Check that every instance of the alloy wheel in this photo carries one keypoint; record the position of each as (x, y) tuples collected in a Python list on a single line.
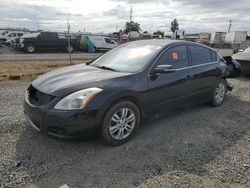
[(122, 123), (220, 93)]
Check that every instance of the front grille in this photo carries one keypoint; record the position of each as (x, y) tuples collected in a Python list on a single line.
[(37, 97), (244, 63)]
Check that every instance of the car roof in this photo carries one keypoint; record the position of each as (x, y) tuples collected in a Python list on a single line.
[(166, 42)]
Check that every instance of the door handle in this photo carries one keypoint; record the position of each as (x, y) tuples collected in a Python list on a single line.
[(188, 77)]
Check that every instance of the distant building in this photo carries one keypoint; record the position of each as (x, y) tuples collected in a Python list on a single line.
[(217, 37), (195, 37), (236, 37), (179, 34)]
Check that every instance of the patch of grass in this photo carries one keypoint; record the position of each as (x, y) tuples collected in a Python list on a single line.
[(31, 69), (29, 77)]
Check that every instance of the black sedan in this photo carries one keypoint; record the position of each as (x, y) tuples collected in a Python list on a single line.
[(113, 94)]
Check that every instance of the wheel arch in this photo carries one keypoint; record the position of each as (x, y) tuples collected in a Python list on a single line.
[(132, 97)]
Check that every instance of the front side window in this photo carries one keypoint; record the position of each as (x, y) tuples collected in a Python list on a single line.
[(108, 40), (176, 56), (214, 56), (200, 55), (20, 34)]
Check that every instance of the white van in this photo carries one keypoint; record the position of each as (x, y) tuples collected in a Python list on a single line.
[(101, 42)]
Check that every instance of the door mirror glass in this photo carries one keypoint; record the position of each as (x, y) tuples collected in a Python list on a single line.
[(164, 69)]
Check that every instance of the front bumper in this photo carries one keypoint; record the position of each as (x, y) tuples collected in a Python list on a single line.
[(244, 66), (63, 124)]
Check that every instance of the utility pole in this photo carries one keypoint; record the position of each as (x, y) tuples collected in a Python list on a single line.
[(38, 28), (69, 47), (131, 14), (229, 27)]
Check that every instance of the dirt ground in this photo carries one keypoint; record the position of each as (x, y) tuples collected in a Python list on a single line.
[(198, 146), (27, 70)]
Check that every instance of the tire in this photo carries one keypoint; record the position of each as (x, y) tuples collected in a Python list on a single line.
[(219, 93), (30, 48), (120, 123)]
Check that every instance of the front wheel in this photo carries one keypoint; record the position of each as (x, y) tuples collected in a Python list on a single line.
[(30, 48), (120, 123), (219, 93)]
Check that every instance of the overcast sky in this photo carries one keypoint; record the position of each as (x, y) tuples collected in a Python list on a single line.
[(107, 15)]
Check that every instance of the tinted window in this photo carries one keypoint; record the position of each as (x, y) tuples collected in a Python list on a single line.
[(108, 40), (48, 36), (214, 56), (200, 55), (176, 56), (20, 34), (12, 35)]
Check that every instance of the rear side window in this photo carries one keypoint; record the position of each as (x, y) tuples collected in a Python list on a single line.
[(49, 36), (200, 55), (176, 56), (214, 56)]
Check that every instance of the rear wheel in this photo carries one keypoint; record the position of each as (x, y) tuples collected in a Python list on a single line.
[(219, 93), (30, 48), (120, 123)]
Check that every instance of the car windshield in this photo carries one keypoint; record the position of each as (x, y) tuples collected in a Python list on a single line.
[(127, 58), (247, 50)]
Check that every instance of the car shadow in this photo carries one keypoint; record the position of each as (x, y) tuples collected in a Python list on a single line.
[(185, 140)]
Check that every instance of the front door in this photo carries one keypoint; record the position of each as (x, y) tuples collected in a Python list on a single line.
[(168, 91)]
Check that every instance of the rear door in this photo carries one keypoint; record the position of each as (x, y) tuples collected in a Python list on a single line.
[(48, 40), (170, 90), (206, 70)]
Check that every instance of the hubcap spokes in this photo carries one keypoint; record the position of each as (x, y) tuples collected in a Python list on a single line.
[(30, 49), (220, 93), (122, 123)]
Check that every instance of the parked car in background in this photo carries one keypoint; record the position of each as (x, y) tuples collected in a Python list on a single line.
[(33, 42), (244, 59), (114, 93), (7, 37), (3, 32), (99, 42)]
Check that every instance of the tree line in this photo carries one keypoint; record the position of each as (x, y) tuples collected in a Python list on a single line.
[(134, 26)]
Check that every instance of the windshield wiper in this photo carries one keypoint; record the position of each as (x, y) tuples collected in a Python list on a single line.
[(107, 68)]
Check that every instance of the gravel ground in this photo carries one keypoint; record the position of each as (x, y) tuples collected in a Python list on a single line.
[(198, 146)]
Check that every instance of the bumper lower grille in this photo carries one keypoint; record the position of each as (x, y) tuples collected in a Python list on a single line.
[(37, 97)]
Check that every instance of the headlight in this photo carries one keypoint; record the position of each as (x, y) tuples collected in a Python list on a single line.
[(77, 100)]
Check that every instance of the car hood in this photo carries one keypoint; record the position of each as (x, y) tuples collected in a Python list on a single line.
[(67, 80), (242, 56)]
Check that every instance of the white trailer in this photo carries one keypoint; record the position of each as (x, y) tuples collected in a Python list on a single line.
[(217, 37), (236, 37)]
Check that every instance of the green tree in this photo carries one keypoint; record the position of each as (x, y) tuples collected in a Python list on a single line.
[(132, 26), (174, 25), (159, 33)]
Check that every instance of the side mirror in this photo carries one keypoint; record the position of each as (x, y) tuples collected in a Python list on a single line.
[(164, 69)]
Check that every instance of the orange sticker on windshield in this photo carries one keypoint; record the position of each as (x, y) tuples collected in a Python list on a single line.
[(174, 56)]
